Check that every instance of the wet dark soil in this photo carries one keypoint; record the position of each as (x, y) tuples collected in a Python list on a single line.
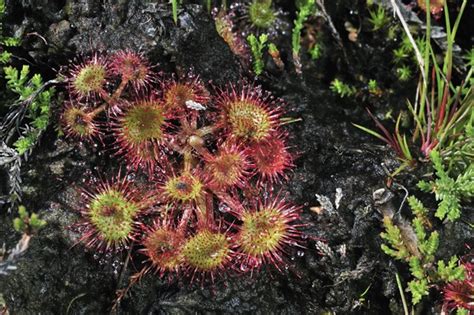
[(55, 277)]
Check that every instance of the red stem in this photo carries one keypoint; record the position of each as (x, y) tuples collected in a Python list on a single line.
[(444, 103), (389, 138)]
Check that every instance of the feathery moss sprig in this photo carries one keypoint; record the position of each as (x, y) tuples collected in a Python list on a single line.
[(417, 246), (257, 46), (305, 10), (447, 190), (39, 104), (5, 41)]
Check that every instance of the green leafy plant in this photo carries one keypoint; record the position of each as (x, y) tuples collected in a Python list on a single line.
[(378, 18), (441, 109), (257, 45), (413, 244), (26, 223), (5, 41), (29, 91), (441, 113), (447, 190), (342, 89), (305, 10)]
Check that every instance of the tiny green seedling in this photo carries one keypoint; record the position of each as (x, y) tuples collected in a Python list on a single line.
[(400, 54), (28, 224), (374, 88), (361, 302)]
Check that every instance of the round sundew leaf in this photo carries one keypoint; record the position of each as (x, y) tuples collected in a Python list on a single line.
[(143, 122), (184, 188), (164, 248), (249, 121), (113, 214), (131, 66), (271, 158), (77, 122), (177, 95), (262, 232), (261, 14), (227, 168), (91, 78), (206, 251)]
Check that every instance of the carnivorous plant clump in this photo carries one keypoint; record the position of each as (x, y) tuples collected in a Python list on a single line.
[(199, 155)]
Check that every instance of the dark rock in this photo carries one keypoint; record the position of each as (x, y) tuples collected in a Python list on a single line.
[(81, 27)]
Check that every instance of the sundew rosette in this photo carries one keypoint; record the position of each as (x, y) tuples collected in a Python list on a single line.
[(201, 161)]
